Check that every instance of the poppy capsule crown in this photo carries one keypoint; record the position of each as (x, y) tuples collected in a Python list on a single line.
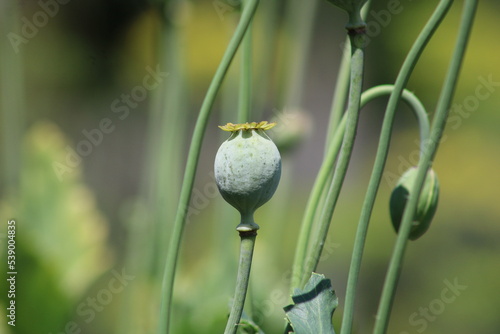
[(247, 169)]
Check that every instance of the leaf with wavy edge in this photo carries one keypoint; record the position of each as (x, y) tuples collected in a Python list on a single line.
[(313, 307)]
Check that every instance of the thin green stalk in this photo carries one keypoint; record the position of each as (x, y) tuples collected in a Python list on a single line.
[(313, 203), (244, 115), (357, 62), (223, 262), (300, 24), (423, 122), (192, 162), (332, 147), (342, 86), (339, 95), (425, 163), (147, 231), (245, 95), (172, 130), (381, 158), (299, 272), (244, 266)]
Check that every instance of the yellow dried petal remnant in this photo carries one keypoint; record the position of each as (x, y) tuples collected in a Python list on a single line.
[(264, 125)]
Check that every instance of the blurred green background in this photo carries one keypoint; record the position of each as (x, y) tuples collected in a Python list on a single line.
[(120, 83)]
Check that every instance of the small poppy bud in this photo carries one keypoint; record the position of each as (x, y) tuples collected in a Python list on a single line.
[(427, 203), (247, 169)]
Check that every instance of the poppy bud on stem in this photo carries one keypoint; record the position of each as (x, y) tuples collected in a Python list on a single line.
[(427, 202), (247, 169), (247, 172)]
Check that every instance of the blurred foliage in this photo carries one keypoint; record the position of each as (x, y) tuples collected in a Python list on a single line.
[(60, 236)]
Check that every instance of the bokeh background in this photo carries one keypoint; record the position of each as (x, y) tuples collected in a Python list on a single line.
[(92, 162)]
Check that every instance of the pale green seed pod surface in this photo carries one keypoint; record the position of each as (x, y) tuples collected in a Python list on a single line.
[(247, 169), (427, 203)]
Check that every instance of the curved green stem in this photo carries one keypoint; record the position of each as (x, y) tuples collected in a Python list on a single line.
[(425, 163), (381, 158), (356, 37), (423, 121), (339, 96), (244, 266), (192, 162), (327, 165), (411, 100)]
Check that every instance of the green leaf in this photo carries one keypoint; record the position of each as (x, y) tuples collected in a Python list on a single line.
[(313, 307), (248, 326)]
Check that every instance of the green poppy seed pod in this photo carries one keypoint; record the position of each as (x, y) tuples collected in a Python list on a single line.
[(247, 169), (427, 203)]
